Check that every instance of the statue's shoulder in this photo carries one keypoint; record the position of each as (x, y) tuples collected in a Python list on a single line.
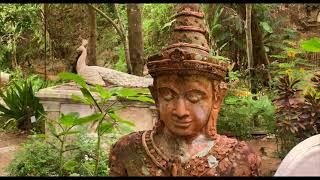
[(124, 153), (128, 140), (232, 144), (225, 142), (231, 151)]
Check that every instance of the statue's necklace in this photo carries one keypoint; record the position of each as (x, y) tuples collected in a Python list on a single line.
[(164, 163), (153, 152)]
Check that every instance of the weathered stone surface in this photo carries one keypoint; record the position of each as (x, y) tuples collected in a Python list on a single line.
[(50, 106), (142, 117), (82, 109)]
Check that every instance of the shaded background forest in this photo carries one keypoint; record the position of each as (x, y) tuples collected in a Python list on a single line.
[(23, 30)]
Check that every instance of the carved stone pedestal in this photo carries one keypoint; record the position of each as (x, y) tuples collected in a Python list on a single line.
[(57, 100)]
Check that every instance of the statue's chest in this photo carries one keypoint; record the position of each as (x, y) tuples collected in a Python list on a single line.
[(209, 163), (201, 166)]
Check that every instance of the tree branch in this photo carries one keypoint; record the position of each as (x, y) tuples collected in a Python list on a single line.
[(120, 31), (121, 34)]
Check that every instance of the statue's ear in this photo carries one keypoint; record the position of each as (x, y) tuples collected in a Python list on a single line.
[(154, 94), (219, 91)]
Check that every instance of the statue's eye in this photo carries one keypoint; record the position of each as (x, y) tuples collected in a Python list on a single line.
[(166, 93), (195, 96)]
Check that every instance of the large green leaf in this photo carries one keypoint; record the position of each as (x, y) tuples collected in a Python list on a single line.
[(77, 98), (74, 77), (103, 92), (127, 92), (266, 27), (117, 118), (86, 93), (124, 128), (106, 127), (311, 45), (89, 118), (142, 99), (69, 119)]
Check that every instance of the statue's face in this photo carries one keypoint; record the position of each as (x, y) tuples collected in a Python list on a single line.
[(184, 103)]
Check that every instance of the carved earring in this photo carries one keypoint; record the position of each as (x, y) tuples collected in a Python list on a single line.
[(219, 92)]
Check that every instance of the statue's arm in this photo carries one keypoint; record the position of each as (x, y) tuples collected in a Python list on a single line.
[(116, 164)]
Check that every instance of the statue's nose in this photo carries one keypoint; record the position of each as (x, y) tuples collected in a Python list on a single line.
[(181, 111)]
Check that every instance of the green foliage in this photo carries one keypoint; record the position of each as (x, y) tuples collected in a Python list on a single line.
[(85, 156), (291, 62), (222, 38), (108, 121), (266, 27), (156, 25), (40, 157), (233, 75), (61, 130), (17, 22), (19, 78), (121, 65), (311, 45), (240, 110), (36, 158), (274, 30), (296, 100), (21, 105), (298, 115)]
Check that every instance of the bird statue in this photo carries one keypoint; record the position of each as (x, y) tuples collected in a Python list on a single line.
[(95, 75)]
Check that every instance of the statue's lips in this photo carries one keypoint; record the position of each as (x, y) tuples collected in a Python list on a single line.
[(182, 123)]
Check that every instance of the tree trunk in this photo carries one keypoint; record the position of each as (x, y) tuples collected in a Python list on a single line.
[(135, 38), (91, 58), (247, 28), (45, 8), (260, 60)]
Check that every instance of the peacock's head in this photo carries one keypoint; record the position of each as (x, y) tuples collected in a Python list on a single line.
[(83, 45)]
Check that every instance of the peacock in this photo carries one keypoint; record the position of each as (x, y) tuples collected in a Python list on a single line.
[(95, 75)]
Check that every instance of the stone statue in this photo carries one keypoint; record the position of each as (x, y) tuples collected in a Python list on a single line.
[(104, 76), (188, 89)]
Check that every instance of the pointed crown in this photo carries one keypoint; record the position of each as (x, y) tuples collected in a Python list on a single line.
[(188, 52)]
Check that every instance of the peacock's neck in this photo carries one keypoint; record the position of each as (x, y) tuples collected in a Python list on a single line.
[(82, 60)]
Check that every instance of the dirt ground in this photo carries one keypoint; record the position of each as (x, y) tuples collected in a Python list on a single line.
[(10, 144), (267, 150)]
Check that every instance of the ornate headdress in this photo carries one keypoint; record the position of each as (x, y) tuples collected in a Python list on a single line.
[(188, 52)]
